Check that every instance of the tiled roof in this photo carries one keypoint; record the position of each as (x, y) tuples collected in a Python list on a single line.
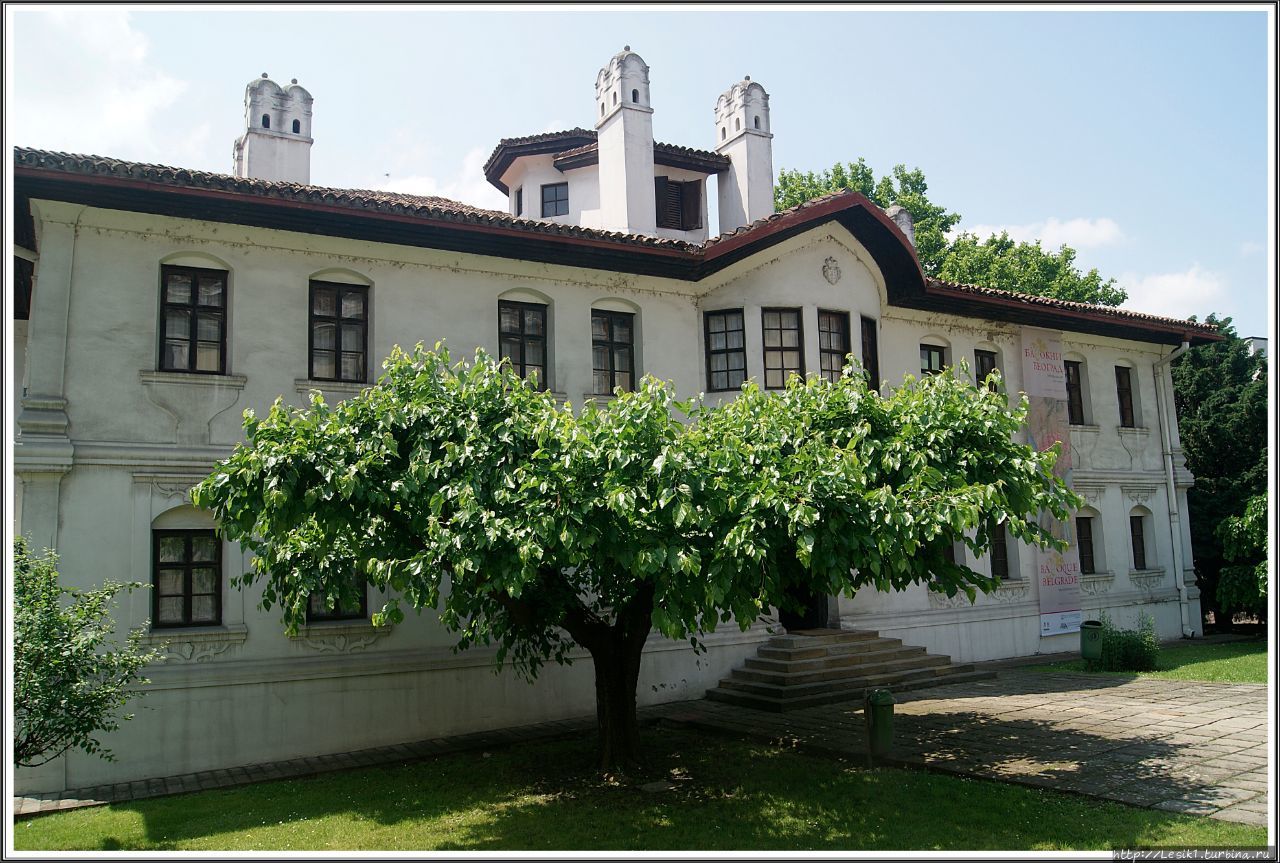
[(1068, 305), (422, 206)]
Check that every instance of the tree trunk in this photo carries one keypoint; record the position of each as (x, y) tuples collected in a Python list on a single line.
[(617, 666)]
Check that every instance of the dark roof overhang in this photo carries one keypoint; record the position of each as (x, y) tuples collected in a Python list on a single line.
[(669, 155)]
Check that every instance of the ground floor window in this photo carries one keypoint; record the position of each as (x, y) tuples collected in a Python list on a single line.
[(318, 610), (186, 578)]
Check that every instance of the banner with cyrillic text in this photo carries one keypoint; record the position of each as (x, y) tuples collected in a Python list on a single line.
[(1044, 379)]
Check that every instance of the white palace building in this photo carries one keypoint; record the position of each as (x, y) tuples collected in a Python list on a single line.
[(154, 305)]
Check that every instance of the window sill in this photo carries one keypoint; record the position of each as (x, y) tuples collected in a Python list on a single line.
[(1139, 431), (345, 389), (1085, 427), (323, 628), (235, 632), (598, 398), (198, 379)]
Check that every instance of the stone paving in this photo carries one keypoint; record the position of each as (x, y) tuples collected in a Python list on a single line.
[(1182, 746)]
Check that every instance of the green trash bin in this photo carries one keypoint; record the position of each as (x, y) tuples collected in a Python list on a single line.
[(877, 709), (1091, 640)]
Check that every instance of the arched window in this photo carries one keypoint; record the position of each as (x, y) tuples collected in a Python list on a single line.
[(737, 124), (1089, 541), (722, 133), (615, 98), (602, 109), (1141, 539), (757, 122), (266, 121), (186, 569), (1079, 405), (635, 95), (297, 127)]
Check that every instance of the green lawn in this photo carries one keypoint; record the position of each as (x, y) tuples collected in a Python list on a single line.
[(1227, 662), (728, 795)]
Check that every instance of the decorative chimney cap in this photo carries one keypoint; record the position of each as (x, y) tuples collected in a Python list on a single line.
[(265, 75), (293, 80)]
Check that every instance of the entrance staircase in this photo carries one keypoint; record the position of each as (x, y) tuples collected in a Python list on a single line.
[(809, 667)]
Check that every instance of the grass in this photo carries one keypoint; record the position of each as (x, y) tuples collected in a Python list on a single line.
[(728, 795), (1225, 662)]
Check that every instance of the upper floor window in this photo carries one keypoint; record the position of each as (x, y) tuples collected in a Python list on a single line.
[(726, 349), (297, 126), (522, 339), (833, 343), (193, 331), (520, 201), (932, 359), (266, 121), (1124, 394), (186, 572), (783, 346), (612, 350), (555, 199), (1138, 539), (1075, 392), (984, 363), (1084, 542), (871, 352), (679, 204), (319, 610), (999, 552), (339, 330)]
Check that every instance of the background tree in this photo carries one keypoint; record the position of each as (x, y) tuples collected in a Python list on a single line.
[(459, 488), (1220, 393), (996, 262), (1242, 586), (70, 679)]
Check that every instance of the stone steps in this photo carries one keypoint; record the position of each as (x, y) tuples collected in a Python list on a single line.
[(813, 667)]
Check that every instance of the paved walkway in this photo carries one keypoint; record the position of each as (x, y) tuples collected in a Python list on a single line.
[(1182, 746)]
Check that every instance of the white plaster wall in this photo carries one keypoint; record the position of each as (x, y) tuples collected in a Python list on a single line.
[(18, 369), (625, 140), (271, 155)]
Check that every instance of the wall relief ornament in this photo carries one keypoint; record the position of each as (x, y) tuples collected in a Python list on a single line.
[(941, 600), (342, 640), (1096, 585), (831, 270)]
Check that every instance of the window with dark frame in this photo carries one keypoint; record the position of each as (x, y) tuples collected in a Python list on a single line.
[(186, 572), (297, 127), (1124, 394), (833, 343), (555, 199), (1075, 395), (317, 612), (984, 363), (783, 346), (522, 339), (193, 320), (612, 351), (725, 337), (520, 201), (679, 204), (932, 359), (1084, 541), (871, 352), (999, 552), (339, 332), (1139, 540)]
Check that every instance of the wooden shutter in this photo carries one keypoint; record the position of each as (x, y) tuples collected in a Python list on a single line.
[(692, 215), (660, 201)]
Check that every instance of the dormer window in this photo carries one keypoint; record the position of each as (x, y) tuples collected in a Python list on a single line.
[(555, 199), (679, 205)]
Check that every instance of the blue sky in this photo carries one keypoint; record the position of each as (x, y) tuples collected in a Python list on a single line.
[(1139, 138)]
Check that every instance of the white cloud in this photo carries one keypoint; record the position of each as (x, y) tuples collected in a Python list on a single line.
[(1250, 248), (467, 184), (1052, 232), (1196, 291), (85, 83)]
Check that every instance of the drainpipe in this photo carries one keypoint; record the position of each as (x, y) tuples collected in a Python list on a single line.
[(1165, 416)]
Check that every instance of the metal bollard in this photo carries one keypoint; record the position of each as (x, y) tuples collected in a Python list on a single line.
[(877, 709)]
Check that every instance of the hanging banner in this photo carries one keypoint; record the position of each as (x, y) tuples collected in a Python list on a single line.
[(1044, 378)]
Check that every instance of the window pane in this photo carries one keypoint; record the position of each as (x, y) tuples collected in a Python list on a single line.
[(533, 322), (209, 327), (352, 366), (790, 320), (771, 320), (204, 548), (736, 378), (204, 581), (175, 355), (178, 288), (353, 337), (824, 340), (621, 330), (718, 342), (208, 357), (177, 324), (600, 358), (773, 379), (204, 609), (169, 582), (325, 302), (533, 353), (353, 304), (508, 319), (622, 359), (791, 360), (623, 380), (322, 336), (599, 327), (322, 364), (173, 549), (533, 373), (733, 321), (210, 293), (510, 349), (719, 380), (737, 361), (601, 382), (790, 338), (772, 339), (715, 323), (170, 610), (734, 340), (719, 362)]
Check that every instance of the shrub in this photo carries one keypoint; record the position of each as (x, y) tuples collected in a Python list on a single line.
[(1127, 649)]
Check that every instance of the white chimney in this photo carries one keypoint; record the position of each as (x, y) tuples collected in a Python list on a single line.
[(902, 218), (276, 144), (624, 131), (743, 134)]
